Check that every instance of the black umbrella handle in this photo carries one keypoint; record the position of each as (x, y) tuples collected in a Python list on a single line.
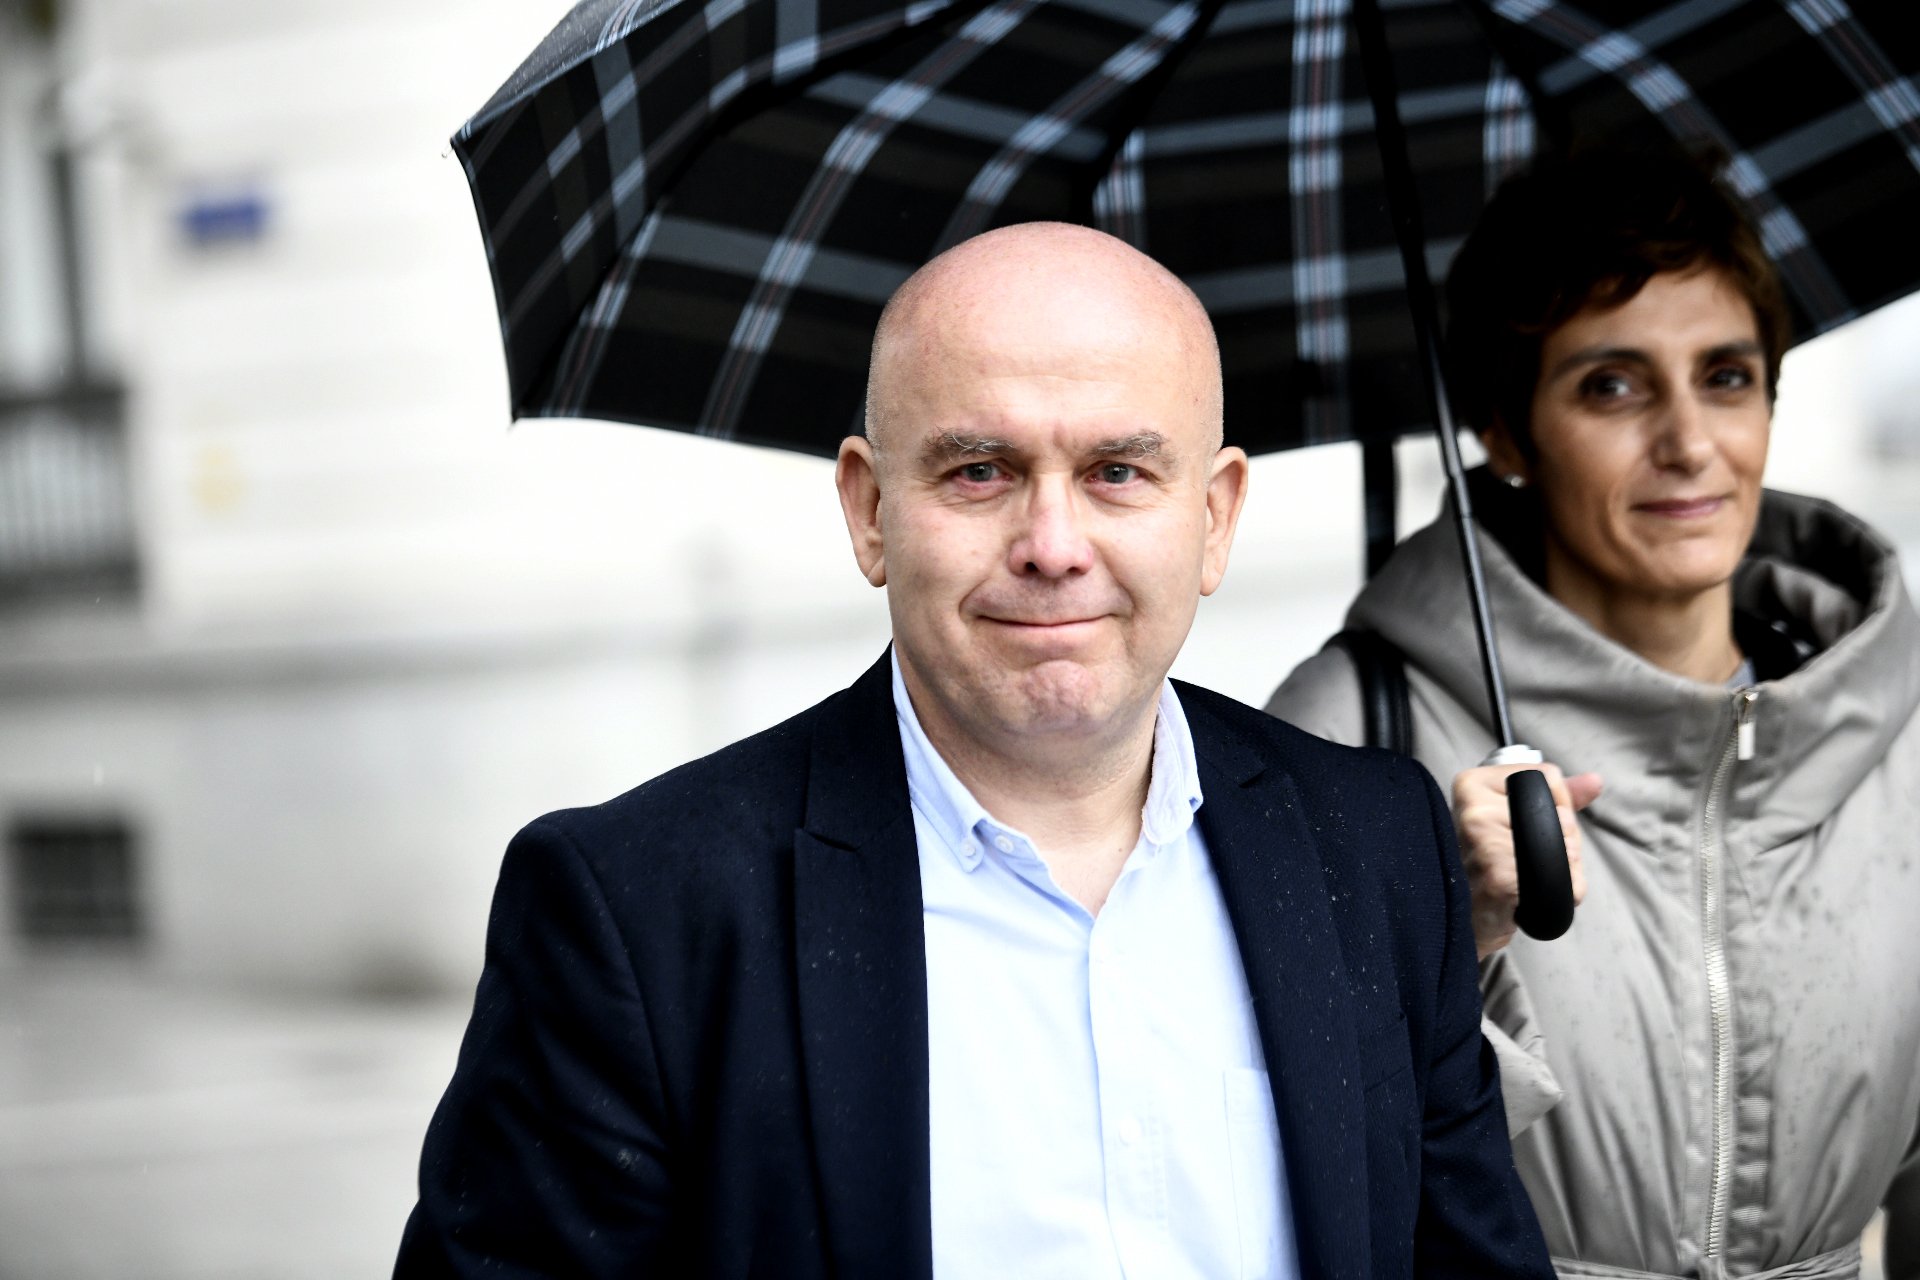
[(1539, 849), (1539, 858)]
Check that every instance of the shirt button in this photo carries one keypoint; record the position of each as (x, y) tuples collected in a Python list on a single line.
[(1129, 1131), (1003, 844)]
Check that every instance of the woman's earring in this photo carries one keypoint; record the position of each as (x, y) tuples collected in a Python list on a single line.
[(1514, 481)]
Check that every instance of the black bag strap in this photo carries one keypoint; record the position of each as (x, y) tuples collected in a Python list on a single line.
[(1385, 705)]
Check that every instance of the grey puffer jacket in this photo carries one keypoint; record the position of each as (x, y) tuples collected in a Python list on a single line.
[(1716, 1072)]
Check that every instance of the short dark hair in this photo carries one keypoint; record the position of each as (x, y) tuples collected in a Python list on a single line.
[(1591, 228)]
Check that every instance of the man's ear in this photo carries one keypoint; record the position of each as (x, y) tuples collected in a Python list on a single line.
[(1226, 495), (1503, 452), (855, 476)]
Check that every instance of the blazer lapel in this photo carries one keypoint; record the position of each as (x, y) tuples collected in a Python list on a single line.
[(1276, 895), (860, 948)]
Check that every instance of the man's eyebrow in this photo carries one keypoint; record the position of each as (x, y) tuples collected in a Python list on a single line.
[(950, 446), (1144, 444)]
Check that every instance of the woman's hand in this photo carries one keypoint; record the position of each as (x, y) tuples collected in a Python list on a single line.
[(1480, 817)]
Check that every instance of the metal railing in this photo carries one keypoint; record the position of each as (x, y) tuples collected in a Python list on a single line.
[(66, 502)]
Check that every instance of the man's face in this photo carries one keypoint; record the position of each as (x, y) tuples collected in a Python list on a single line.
[(1050, 507)]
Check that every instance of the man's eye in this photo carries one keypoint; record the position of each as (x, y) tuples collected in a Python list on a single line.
[(1118, 473), (979, 472)]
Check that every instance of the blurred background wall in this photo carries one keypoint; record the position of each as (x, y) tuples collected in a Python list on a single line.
[(295, 630)]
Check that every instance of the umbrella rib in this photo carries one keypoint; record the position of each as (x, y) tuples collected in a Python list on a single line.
[(710, 107), (1670, 100), (1891, 97), (1548, 111), (997, 176), (1133, 112), (656, 164), (846, 157)]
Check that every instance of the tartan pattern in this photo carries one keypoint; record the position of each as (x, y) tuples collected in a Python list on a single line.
[(695, 209), (1322, 337)]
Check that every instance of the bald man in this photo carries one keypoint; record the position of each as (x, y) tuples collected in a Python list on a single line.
[(1015, 958)]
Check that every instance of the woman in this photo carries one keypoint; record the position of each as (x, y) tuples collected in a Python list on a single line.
[(1717, 1071)]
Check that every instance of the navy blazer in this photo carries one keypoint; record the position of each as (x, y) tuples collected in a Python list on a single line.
[(699, 1044)]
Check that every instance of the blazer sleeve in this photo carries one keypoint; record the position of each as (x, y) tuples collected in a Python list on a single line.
[(1475, 1219), (548, 1156), (1903, 1217)]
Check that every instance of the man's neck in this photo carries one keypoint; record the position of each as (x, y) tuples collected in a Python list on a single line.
[(1079, 798)]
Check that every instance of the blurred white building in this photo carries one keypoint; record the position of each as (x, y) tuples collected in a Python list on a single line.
[(295, 632)]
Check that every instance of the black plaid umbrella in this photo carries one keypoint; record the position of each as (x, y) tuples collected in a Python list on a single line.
[(694, 209)]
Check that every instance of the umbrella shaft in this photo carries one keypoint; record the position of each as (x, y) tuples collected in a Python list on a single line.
[(1403, 204)]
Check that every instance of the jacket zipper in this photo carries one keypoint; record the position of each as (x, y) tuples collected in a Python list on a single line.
[(1740, 745)]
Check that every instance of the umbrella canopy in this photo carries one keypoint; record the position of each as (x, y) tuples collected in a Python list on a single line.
[(694, 209)]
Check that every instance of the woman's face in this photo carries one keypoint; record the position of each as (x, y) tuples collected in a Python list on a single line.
[(1650, 423)]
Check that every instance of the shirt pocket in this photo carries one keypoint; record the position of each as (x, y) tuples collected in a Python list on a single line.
[(1259, 1185)]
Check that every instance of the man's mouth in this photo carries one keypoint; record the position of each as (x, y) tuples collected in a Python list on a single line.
[(1062, 635), (1043, 623)]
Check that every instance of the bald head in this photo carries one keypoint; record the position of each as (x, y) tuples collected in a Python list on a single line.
[(1049, 290), (1042, 492)]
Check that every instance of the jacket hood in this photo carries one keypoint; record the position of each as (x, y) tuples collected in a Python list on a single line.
[(1591, 704)]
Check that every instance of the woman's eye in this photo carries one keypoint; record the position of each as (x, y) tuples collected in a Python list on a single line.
[(1730, 377), (1604, 386), (1118, 473), (979, 472)]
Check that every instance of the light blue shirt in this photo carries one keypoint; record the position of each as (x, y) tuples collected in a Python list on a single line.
[(1100, 1104)]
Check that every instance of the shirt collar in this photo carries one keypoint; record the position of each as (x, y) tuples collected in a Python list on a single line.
[(942, 799), (1173, 792), (1173, 789)]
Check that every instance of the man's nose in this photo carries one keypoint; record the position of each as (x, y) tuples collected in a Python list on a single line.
[(1683, 439), (1053, 538)]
